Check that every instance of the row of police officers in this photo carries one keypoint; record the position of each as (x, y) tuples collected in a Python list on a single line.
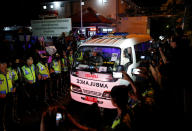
[(24, 87)]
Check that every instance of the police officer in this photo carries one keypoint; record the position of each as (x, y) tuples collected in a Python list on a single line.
[(64, 73), (13, 96), (29, 79), (56, 74), (16, 73), (6, 87), (70, 57), (43, 77)]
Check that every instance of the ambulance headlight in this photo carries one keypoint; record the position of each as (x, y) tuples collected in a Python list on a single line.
[(75, 88), (106, 94)]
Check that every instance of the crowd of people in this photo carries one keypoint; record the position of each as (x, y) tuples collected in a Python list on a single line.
[(157, 100), (37, 73), (39, 76)]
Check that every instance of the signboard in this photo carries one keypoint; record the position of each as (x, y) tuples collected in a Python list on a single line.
[(51, 27)]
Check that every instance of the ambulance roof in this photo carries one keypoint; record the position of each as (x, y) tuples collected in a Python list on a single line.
[(117, 41)]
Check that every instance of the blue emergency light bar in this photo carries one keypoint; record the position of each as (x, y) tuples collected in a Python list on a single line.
[(113, 34), (120, 34), (102, 34)]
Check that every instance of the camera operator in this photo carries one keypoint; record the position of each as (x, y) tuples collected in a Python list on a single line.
[(57, 118)]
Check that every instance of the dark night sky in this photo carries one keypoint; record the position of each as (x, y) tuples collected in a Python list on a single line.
[(18, 11)]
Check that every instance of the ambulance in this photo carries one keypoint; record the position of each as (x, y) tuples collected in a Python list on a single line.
[(98, 66)]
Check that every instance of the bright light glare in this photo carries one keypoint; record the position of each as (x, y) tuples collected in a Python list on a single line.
[(57, 4), (161, 37), (44, 7), (82, 3), (100, 2), (110, 29), (7, 28), (51, 6)]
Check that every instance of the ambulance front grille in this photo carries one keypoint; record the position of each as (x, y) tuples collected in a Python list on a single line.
[(93, 93)]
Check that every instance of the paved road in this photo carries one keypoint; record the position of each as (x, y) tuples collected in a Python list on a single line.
[(84, 113)]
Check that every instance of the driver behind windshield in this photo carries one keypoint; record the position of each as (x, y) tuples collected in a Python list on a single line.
[(96, 59)]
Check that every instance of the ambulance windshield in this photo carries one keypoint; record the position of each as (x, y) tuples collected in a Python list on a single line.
[(97, 59)]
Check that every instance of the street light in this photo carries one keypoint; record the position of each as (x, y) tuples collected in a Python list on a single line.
[(81, 3), (51, 6), (44, 7), (57, 4)]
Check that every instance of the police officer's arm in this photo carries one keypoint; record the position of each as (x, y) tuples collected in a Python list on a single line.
[(37, 72), (51, 68), (23, 79)]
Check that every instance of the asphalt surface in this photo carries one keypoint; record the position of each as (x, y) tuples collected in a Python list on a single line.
[(83, 113)]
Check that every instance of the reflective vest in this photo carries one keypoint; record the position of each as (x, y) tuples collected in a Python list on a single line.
[(43, 70), (29, 73), (80, 58), (13, 73), (6, 83), (64, 63), (115, 123), (56, 66), (148, 92), (71, 60)]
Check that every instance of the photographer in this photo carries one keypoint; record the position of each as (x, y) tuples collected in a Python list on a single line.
[(57, 118)]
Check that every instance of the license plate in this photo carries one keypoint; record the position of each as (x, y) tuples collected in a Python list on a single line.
[(92, 99)]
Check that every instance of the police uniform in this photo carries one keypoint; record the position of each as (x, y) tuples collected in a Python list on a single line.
[(16, 74), (122, 123), (70, 60), (65, 74), (29, 73), (56, 76), (14, 96), (29, 78), (56, 65), (6, 87), (43, 73)]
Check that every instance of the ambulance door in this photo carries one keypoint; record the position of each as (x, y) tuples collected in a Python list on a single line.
[(128, 61)]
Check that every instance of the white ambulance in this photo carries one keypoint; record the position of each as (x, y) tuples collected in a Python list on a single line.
[(96, 66)]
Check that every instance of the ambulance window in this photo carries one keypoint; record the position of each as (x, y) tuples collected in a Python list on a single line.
[(128, 54)]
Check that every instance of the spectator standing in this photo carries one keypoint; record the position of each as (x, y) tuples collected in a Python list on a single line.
[(119, 99), (62, 41)]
